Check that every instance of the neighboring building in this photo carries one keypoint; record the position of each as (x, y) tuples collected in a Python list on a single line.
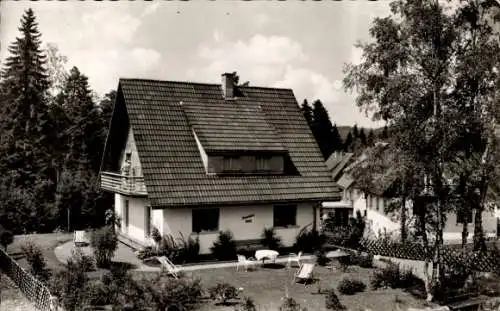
[(202, 158), (377, 199)]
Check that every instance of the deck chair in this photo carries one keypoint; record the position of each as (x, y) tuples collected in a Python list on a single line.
[(168, 266), (243, 261), (80, 238), (304, 273), (294, 258)]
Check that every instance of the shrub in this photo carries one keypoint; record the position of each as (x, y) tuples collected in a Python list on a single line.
[(147, 252), (224, 248), (86, 262), (321, 258), (332, 301), (6, 237), (156, 235), (349, 236), (37, 264), (71, 286), (349, 286), (247, 305), (362, 260), (104, 243), (270, 239), (309, 241), (188, 249), (223, 292), (391, 276), (289, 304)]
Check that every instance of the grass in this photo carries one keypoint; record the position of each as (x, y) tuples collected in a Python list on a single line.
[(267, 287), (47, 242)]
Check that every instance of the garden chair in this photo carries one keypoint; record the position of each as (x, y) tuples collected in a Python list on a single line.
[(80, 238), (294, 258), (243, 261), (304, 273), (168, 266)]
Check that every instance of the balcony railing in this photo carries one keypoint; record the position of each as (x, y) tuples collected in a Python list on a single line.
[(127, 185)]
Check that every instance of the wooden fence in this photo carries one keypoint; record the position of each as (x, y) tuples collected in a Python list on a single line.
[(32, 289), (453, 256)]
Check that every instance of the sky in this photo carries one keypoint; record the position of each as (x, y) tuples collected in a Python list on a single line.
[(297, 45)]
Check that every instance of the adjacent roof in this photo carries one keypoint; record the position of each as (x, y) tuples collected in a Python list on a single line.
[(337, 162), (173, 170)]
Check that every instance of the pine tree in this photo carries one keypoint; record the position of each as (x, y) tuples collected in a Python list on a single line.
[(338, 145), (307, 112), (24, 87), (348, 142), (371, 138), (322, 129), (362, 137), (355, 131)]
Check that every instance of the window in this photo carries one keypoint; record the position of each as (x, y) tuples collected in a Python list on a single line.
[(205, 220), (147, 220), (125, 215), (262, 163), (285, 215), (462, 216), (341, 217), (128, 156), (231, 163)]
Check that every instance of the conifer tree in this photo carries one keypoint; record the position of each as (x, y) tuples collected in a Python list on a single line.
[(337, 143), (322, 129), (307, 112)]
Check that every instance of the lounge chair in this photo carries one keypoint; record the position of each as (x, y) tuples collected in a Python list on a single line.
[(168, 266), (243, 261), (304, 273), (80, 238), (294, 258)]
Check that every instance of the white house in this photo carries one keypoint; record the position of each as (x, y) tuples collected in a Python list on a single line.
[(376, 200), (195, 159)]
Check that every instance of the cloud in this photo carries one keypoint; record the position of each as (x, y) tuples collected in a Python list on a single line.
[(260, 58), (150, 9), (105, 67), (218, 36), (108, 25)]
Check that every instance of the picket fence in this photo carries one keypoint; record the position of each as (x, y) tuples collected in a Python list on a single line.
[(31, 288)]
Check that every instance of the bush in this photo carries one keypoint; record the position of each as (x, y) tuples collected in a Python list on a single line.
[(349, 236), (270, 239), (332, 301), (188, 249), (104, 243), (147, 252), (37, 264), (71, 286), (224, 247), (87, 263), (223, 292), (156, 236), (362, 260), (6, 237), (247, 305), (289, 304), (349, 286), (321, 258), (309, 241), (391, 276)]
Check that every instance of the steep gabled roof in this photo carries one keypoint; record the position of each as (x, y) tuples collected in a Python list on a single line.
[(336, 163), (162, 115)]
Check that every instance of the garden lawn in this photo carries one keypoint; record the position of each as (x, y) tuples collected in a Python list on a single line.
[(267, 287), (47, 242)]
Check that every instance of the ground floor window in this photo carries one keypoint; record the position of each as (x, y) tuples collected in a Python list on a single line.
[(205, 220), (285, 215), (125, 214), (147, 220), (341, 216)]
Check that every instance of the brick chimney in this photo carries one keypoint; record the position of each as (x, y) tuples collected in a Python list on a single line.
[(228, 85)]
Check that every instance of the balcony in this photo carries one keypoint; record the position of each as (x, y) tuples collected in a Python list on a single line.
[(126, 185)]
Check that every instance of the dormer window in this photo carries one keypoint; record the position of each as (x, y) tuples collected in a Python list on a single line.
[(262, 163), (231, 164)]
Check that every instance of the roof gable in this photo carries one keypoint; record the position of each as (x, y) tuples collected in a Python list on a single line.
[(173, 169)]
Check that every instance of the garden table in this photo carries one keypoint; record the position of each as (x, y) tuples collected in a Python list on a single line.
[(264, 254)]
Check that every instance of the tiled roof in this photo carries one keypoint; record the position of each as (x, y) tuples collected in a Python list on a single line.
[(231, 125), (173, 170), (336, 163)]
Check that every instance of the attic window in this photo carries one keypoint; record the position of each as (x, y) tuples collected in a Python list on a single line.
[(231, 164), (262, 163)]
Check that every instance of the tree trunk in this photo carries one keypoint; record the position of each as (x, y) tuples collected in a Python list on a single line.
[(404, 230), (465, 233)]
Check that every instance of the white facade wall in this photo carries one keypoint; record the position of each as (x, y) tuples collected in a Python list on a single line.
[(137, 216), (230, 218)]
